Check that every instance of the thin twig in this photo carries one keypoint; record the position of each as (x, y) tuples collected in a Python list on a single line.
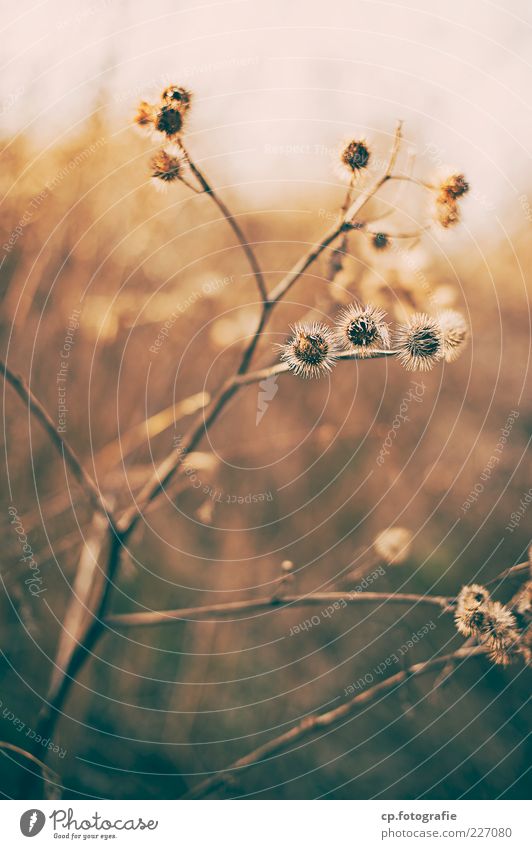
[(167, 617), (315, 722), (62, 445), (231, 220)]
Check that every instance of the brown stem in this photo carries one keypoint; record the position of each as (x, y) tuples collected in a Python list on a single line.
[(167, 617), (233, 223), (315, 722)]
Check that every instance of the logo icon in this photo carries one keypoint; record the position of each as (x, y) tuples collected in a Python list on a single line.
[(32, 822)]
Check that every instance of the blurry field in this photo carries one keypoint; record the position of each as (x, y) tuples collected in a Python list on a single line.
[(94, 262)]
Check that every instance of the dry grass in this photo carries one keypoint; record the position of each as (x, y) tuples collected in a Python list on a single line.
[(304, 482)]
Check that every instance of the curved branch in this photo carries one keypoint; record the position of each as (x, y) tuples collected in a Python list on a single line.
[(315, 722), (233, 223), (167, 617)]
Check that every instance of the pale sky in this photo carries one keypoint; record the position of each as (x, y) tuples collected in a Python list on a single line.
[(271, 75)]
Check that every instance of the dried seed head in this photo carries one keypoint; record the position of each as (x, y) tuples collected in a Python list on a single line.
[(310, 351), (499, 632), (470, 605), (362, 329), (178, 97), (393, 545), (420, 343), (355, 155), (169, 120), (455, 334), (447, 212), (145, 117), (454, 187), (166, 167), (380, 241)]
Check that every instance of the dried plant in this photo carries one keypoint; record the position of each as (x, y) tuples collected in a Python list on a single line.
[(360, 333)]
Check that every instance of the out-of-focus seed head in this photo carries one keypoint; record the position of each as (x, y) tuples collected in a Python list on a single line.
[(146, 115), (380, 241), (499, 632), (454, 187), (178, 97), (447, 212), (393, 545), (470, 605), (311, 350), (455, 334), (362, 329), (166, 166), (419, 343), (169, 120), (356, 155)]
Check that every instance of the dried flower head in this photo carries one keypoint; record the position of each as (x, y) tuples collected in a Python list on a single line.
[(454, 187), (380, 241), (420, 343), (455, 334), (310, 351), (355, 155), (393, 545), (145, 117), (447, 212), (469, 615), (169, 120), (362, 329), (499, 632), (166, 166), (178, 97)]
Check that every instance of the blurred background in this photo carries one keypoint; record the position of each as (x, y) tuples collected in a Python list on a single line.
[(94, 262)]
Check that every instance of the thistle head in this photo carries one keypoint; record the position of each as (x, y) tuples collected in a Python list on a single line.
[(355, 156), (169, 120), (393, 545), (178, 97), (380, 241), (447, 212), (145, 117), (310, 351), (499, 632), (362, 329), (455, 334), (470, 603), (419, 343), (454, 187), (166, 167)]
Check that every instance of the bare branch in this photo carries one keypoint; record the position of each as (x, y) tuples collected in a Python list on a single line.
[(233, 223), (315, 722), (167, 617)]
